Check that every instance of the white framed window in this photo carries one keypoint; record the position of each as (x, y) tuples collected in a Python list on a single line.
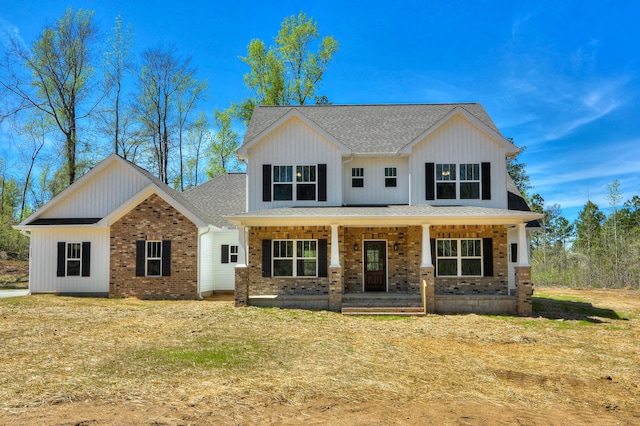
[(153, 258), (305, 183), (295, 258), (470, 181), (282, 183), (390, 177), (459, 257), (233, 254), (446, 181), (73, 259), (357, 177)]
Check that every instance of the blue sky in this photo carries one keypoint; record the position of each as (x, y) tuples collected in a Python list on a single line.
[(561, 78)]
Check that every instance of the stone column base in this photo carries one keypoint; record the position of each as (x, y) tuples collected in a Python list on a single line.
[(241, 293), (524, 291), (336, 289), (428, 289)]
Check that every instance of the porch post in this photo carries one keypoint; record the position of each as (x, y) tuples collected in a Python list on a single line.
[(427, 273), (336, 286), (241, 293), (524, 286), (523, 246)]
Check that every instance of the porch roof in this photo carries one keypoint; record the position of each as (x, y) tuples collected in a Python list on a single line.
[(385, 215)]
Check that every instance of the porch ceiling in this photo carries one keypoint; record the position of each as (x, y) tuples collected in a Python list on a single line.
[(392, 215)]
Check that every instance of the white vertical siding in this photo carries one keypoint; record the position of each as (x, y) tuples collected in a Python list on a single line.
[(374, 190), (294, 143), (460, 141), (100, 195), (206, 265), (43, 261), (224, 273)]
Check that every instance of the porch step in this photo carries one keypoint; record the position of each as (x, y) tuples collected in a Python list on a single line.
[(381, 300), (399, 311)]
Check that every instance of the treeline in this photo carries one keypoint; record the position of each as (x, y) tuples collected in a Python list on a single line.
[(597, 250), (75, 95)]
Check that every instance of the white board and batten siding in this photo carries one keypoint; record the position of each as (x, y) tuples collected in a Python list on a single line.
[(460, 141), (294, 144), (374, 190), (44, 256), (224, 278), (100, 195)]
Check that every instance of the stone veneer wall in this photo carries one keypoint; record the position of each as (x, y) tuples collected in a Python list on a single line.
[(154, 219), (403, 265), (261, 286), (498, 284)]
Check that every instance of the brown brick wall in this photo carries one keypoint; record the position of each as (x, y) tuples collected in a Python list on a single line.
[(260, 286), (154, 219), (498, 284)]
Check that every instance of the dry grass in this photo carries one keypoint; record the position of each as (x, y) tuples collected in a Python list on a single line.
[(582, 351)]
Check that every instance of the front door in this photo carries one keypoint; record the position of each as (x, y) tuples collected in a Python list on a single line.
[(375, 266)]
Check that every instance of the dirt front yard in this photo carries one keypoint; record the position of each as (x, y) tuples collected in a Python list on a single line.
[(83, 361)]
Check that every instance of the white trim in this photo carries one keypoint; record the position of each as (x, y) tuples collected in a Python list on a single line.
[(386, 263), (426, 247), (335, 248)]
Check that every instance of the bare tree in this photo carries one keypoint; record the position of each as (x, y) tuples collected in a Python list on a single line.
[(56, 77)]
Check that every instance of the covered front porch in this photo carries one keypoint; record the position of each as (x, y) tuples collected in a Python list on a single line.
[(399, 264)]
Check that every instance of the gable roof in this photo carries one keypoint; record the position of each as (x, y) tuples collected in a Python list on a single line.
[(369, 129), (220, 196), (154, 184)]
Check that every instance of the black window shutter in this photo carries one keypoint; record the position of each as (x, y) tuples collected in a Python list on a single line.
[(266, 182), (86, 259), (61, 259), (487, 255), (322, 182), (166, 258), (140, 256), (433, 255), (514, 252), (225, 253), (322, 258), (430, 181), (266, 258), (486, 181)]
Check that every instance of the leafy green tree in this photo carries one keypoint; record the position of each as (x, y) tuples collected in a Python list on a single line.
[(224, 144), (198, 143), (290, 72)]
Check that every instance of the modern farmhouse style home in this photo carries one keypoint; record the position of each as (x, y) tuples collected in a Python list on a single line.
[(352, 208), (370, 208)]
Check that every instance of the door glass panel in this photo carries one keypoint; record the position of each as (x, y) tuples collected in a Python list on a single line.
[(374, 258)]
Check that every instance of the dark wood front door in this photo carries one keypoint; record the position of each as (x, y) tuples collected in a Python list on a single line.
[(375, 266)]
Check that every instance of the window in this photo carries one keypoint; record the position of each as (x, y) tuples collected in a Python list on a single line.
[(305, 183), (445, 181), (295, 258), (390, 179), (74, 259), (459, 258), (233, 254), (357, 177), (469, 181), (282, 183), (154, 258)]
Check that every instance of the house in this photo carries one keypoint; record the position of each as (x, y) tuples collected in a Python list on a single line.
[(359, 208), (120, 232)]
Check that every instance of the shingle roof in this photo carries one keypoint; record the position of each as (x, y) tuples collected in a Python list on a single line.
[(221, 196), (368, 128)]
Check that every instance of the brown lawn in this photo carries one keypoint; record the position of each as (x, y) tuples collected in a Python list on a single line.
[(82, 361)]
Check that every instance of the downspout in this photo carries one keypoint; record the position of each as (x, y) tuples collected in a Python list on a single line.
[(200, 234)]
